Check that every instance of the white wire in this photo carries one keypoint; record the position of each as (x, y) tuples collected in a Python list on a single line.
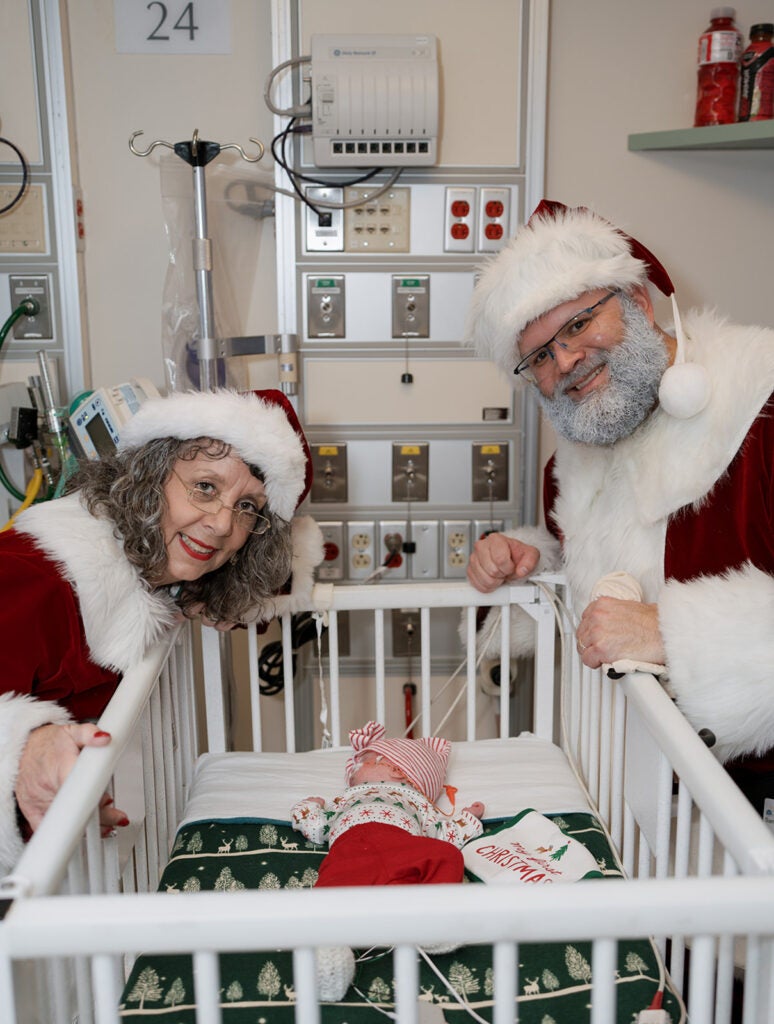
[(301, 111), (439, 973)]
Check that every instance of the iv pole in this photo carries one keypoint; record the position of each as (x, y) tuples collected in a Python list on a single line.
[(198, 153)]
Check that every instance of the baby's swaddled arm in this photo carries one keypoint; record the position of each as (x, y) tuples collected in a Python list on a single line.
[(309, 817), (458, 830)]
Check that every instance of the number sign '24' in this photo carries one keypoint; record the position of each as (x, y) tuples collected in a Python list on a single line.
[(173, 26)]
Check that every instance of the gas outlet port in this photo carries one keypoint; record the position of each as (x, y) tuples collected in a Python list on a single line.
[(325, 306), (329, 473), (490, 472), (411, 306)]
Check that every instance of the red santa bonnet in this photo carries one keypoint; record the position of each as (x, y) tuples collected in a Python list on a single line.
[(560, 253), (422, 761), (261, 427)]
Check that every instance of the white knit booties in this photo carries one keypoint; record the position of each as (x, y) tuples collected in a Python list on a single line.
[(335, 972), (437, 948)]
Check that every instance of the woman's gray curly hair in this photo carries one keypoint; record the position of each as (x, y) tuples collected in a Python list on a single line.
[(128, 489)]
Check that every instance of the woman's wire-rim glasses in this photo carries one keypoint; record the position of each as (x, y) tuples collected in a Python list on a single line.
[(538, 359), (204, 501)]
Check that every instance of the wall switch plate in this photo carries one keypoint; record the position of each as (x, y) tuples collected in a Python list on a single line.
[(325, 297), (324, 229), (329, 469), (411, 306), (423, 563), (490, 472), (410, 471)]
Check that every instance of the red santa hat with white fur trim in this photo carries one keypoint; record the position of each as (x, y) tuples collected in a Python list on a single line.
[(261, 427), (422, 761), (559, 254)]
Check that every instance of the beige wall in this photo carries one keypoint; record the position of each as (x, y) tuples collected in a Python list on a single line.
[(616, 66), (623, 66), (166, 97)]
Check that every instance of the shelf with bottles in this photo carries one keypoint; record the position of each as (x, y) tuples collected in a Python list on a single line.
[(742, 135)]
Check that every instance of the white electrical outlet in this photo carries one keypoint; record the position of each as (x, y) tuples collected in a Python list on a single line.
[(360, 550), (455, 548)]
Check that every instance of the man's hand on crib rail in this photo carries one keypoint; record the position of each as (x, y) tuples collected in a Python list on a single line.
[(611, 629), (47, 759), (497, 558)]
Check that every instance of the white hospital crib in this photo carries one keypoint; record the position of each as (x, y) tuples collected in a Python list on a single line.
[(697, 860)]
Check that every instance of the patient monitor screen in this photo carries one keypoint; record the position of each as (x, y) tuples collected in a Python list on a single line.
[(100, 436)]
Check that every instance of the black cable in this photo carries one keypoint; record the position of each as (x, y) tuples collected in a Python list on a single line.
[(25, 176), (295, 176)]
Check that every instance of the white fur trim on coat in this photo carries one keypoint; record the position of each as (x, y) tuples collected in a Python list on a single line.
[(122, 618), (19, 715), (259, 432), (719, 637), (522, 631), (550, 261), (308, 552)]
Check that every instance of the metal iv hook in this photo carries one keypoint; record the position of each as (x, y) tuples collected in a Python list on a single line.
[(197, 152)]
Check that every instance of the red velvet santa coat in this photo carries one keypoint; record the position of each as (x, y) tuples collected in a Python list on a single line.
[(75, 616), (687, 507)]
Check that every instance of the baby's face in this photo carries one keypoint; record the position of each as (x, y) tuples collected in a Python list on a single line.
[(374, 768)]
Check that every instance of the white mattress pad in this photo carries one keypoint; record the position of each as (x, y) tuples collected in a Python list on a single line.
[(507, 775)]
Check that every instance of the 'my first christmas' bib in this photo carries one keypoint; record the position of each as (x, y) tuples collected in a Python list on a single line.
[(528, 849)]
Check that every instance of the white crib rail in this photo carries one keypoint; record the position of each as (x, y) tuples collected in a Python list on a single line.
[(681, 830), (207, 923), (329, 601)]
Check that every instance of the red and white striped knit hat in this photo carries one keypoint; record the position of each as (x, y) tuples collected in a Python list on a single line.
[(422, 761)]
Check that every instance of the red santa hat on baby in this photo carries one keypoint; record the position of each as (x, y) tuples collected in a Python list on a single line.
[(261, 427), (560, 253), (422, 761)]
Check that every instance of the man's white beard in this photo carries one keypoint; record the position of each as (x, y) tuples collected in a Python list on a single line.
[(635, 368)]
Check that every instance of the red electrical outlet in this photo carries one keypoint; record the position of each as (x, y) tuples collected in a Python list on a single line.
[(494, 208), (459, 220)]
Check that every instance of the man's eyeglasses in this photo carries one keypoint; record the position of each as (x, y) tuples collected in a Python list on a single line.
[(247, 517), (537, 365)]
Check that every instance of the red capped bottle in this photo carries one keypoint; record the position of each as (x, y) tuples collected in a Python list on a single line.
[(756, 81), (720, 51)]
